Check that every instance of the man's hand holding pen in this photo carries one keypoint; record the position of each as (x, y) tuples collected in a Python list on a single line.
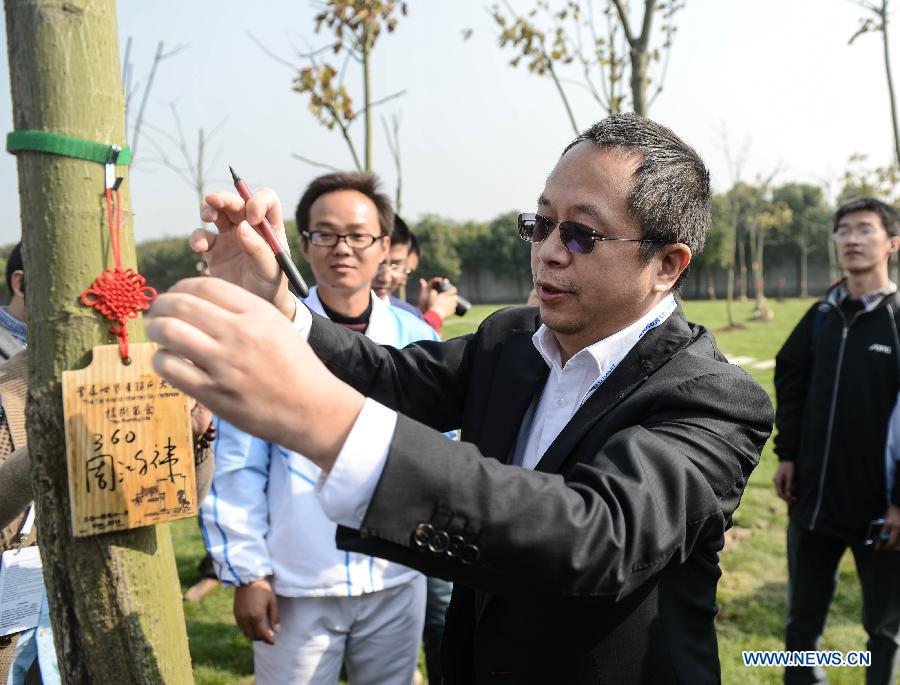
[(237, 355), (238, 254)]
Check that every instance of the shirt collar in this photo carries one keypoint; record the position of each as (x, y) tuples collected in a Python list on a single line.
[(381, 328), (15, 327), (869, 300), (601, 354)]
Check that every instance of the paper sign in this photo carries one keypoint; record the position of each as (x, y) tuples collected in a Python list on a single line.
[(128, 444), (21, 590)]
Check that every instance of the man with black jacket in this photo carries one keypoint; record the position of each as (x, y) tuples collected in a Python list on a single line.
[(605, 440), (836, 382)]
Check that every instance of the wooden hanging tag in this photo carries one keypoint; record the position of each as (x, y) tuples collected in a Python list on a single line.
[(128, 444)]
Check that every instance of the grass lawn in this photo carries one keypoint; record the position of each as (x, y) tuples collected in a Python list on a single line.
[(754, 570)]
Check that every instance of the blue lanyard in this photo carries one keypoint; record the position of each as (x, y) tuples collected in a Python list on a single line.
[(669, 306)]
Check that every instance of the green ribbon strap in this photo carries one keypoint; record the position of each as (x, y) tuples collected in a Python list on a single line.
[(67, 146)]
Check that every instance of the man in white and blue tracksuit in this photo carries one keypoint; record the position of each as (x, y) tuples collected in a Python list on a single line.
[(308, 606)]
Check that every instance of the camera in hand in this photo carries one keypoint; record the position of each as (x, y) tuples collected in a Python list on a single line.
[(462, 304)]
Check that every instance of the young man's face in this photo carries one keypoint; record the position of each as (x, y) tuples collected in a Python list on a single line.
[(585, 297), (341, 269), (862, 242), (391, 274)]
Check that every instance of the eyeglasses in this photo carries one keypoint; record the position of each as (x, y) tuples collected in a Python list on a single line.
[(863, 232), (575, 237), (395, 268), (357, 241)]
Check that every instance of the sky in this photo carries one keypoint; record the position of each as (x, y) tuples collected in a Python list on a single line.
[(477, 136)]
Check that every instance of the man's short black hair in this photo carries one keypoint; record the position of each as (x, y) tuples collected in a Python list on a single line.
[(885, 212), (414, 245), (400, 235), (362, 182), (670, 192), (13, 263)]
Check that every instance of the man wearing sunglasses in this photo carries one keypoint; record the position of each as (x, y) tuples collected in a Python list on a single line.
[(605, 440)]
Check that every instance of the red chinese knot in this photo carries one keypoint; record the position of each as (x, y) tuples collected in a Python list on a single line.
[(118, 294)]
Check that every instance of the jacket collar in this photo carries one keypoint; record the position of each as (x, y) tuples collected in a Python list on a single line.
[(654, 350), (382, 328), (521, 373)]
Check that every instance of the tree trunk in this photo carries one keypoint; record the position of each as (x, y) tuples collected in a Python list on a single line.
[(114, 598), (729, 284), (833, 268), (710, 282), (742, 267), (890, 80), (562, 94), (762, 310), (639, 61), (804, 271), (367, 95), (199, 180)]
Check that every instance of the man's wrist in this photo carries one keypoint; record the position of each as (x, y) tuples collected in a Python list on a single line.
[(264, 581), (287, 305)]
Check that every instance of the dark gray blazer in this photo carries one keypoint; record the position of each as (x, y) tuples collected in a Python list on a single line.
[(600, 566)]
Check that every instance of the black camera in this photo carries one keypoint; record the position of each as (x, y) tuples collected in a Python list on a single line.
[(462, 304)]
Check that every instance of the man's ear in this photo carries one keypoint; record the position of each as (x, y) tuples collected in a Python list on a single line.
[(18, 282), (670, 261), (895, 243)]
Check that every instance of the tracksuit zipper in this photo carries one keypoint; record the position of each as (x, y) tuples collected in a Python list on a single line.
[(837, 381)]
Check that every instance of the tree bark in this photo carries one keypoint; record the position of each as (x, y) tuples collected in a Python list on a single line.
[(890, 80), (367, 96), (114, 598), (742, 266), (804, 271)]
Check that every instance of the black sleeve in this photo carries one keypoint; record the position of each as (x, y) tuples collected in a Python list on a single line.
[(793, 367), (648, 495), (426, 381)]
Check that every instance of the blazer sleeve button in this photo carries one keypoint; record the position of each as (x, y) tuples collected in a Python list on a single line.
[(455, 545), (439, 542), (470, 554), (422, 534)]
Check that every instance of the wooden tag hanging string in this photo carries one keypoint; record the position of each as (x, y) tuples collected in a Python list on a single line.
[(118, 294)]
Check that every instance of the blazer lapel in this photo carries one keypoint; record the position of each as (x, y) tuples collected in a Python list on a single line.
[(521, 373), (650, 353)]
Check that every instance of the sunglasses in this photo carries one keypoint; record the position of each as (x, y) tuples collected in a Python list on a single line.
[(575, 237)]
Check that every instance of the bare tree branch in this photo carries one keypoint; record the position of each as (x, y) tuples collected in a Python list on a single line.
[(262, 46), (626, 23), (378, 102), (393, 142), (313, 162), (159, 57)]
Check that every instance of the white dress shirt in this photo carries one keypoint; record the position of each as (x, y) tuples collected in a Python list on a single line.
[(346, 491)]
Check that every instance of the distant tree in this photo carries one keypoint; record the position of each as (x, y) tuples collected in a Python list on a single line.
[(594, 37), (191, 165), (436, 238), (863, 180), (166, 261), (736, 160), (131, 87), (760, 215), (718, 248), (355, 26), (809, 226), (878, 23)]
